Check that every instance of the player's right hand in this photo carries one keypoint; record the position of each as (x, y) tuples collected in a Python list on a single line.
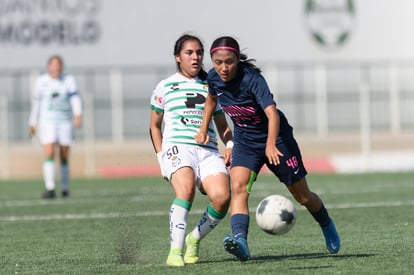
[(227, 156), (202, 138)]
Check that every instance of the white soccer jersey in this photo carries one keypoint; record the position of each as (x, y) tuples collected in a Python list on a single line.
[(54, 100), (182, 102)]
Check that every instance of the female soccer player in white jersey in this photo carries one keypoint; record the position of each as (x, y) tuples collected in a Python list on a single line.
[(178, 101), (56, 108)]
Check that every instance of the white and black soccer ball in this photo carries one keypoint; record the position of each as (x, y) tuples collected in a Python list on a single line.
[(276, 215)]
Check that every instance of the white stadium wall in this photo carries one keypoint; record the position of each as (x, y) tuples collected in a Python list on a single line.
[(130, 32)]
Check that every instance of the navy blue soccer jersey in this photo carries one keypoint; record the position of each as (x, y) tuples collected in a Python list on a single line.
[(244, 100)]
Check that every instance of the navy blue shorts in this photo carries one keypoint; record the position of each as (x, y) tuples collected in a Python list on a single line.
[(290, 169)]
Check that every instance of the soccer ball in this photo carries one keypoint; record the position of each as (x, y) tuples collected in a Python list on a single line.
[(276, 214)]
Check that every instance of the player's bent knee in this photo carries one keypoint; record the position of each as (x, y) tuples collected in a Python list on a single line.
[(220, 198)]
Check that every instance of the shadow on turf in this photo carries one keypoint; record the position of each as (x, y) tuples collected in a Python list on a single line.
[(309, 256), (293, 257)]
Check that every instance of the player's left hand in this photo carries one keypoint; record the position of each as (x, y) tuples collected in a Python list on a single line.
[(77, 121), (32, 131), (273, 154)]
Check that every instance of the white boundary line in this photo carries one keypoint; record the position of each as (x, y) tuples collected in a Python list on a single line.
[(165, 213)]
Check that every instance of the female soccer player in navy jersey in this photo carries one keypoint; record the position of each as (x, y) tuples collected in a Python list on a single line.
[(262, 135), (178, 102)]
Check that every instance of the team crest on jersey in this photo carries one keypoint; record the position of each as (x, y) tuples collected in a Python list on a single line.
[(175, 161)]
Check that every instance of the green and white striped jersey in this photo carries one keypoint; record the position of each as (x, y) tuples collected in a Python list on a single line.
[(182, 101), (53, 99)]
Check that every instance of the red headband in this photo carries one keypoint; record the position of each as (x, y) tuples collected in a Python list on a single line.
[(224, 48)]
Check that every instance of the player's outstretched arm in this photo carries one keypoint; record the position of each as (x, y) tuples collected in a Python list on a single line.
[(202, 136), (226, 136)]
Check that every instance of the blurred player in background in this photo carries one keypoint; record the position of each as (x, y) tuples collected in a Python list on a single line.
[(178, 101), (56, 109), (262, 135)]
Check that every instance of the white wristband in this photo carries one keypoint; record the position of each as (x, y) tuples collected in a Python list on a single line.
[(160, 162), (229, 144), (159, 157)]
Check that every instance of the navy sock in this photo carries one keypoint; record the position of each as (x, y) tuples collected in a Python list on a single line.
[(321, 216), (240, 225)]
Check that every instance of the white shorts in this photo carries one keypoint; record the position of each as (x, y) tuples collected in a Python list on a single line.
[(60, 133), (203, 161)]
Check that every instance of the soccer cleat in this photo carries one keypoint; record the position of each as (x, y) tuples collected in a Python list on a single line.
[(333, 243), (175, 258), (237, 247), (65, 194), (49, 194), (191, 255)]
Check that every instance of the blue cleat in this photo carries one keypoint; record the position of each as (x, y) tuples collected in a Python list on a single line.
[(333, 243), (237, 247)]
